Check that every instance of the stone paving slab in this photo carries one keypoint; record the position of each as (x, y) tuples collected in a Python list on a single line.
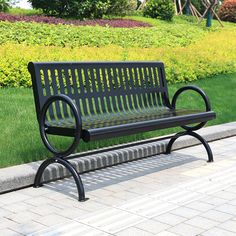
[(16, 177), (157, 195)]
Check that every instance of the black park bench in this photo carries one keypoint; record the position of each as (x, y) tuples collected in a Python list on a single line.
[(101, 100)]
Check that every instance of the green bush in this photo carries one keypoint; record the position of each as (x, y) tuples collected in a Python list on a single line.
[(72, 8), (84, 8), (4, 5), (161, 9)]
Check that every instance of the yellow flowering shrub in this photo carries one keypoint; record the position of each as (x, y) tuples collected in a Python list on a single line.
[(214, 54)]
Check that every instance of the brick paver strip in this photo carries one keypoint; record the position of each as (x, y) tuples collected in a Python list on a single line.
[(177, 201)]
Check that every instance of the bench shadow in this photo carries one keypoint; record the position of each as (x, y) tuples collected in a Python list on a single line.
[(119, 173)]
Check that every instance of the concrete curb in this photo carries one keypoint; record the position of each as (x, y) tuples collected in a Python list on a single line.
[(16, 177)]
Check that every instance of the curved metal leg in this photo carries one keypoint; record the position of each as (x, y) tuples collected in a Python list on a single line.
[(205, 144), (172, 140), (195, 135), (68, 166), (40, 171)]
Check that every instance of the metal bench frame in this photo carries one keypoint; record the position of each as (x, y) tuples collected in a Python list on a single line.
[(95, 89)]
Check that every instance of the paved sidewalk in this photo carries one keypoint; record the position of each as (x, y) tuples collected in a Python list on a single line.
[(177, 194)]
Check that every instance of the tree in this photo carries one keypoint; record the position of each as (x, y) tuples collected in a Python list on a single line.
[(4, 5)]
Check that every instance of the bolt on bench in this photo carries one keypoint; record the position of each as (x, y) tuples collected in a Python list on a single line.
[(101, 100)]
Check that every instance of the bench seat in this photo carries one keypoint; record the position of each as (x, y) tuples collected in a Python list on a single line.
[(119, 124)]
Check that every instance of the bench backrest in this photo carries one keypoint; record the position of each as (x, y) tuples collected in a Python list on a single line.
[(101, 87)]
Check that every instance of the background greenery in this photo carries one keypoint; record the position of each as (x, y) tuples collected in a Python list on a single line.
[(190, 52)]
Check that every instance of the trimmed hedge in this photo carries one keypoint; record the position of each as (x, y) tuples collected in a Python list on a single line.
[(197, 61)]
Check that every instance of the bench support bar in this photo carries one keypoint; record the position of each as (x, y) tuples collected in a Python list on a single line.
[(197, 136), (69, 167)]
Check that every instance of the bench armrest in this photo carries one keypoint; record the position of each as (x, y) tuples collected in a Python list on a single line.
[(194, 88), (43, 128)]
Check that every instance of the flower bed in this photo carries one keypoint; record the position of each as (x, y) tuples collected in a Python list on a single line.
[(122, 23)]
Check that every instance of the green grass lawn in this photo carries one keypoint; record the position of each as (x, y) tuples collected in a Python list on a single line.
[(20, 140)]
